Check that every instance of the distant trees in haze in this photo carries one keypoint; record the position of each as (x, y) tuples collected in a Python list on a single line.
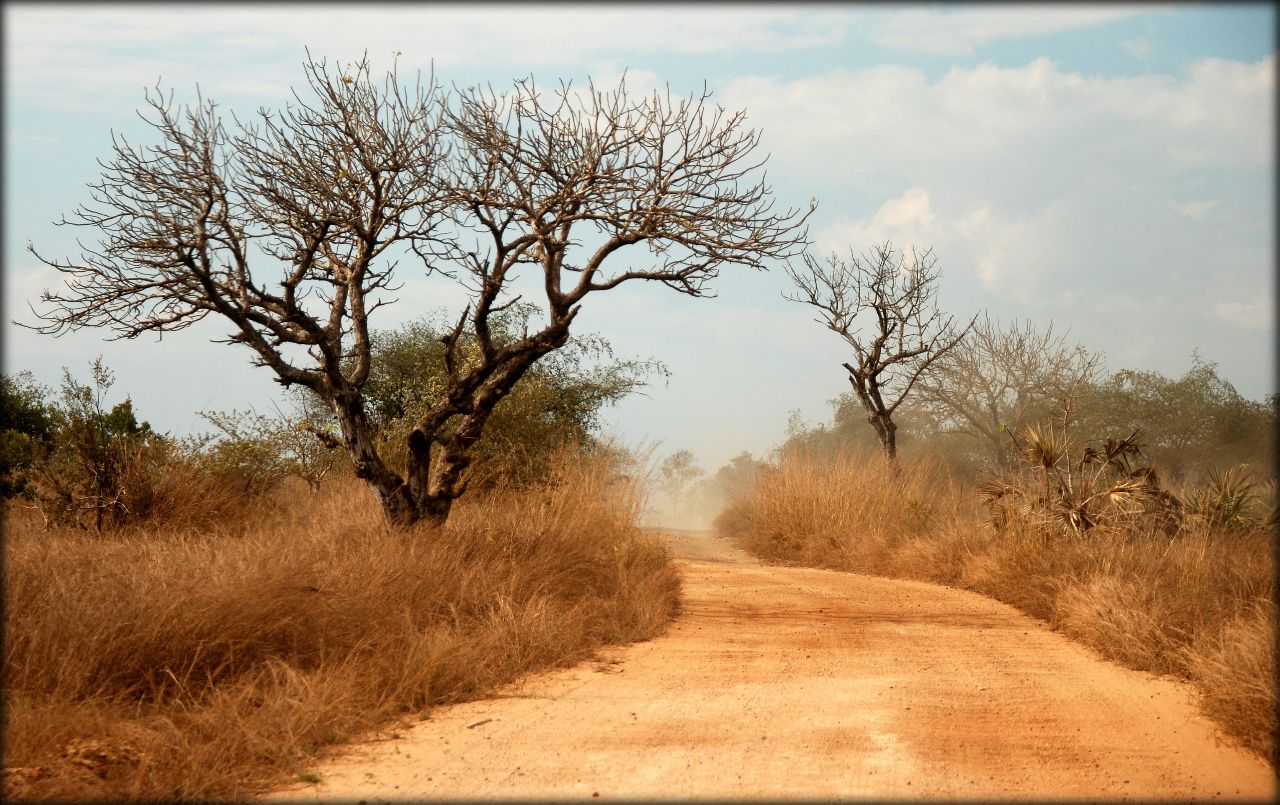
[(1189, 424), (677, 474), (1000, 378), (965, 392)]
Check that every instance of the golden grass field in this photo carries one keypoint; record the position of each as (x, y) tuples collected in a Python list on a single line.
[(170, 661)]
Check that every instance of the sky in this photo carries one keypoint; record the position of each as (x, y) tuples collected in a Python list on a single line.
[(1108, 169)]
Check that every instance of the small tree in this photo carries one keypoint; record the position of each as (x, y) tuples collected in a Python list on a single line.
[(81, 479), (676, 473), (480, 186), (263, 449), (907, 333), (1000, 378), (734, 479)]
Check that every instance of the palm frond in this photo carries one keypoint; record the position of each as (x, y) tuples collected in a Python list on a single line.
[(1044, 446)]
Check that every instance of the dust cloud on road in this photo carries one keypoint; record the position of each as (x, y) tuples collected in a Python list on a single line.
[(788, 682)]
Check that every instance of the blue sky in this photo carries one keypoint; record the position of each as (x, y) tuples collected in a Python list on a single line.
[(1108, 168)]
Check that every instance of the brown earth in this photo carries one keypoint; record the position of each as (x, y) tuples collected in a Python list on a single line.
[(787, 682)]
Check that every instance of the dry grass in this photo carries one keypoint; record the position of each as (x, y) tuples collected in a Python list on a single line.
[(175, 664), (1199, 606)]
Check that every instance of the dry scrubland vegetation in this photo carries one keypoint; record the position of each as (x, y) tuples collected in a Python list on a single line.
[(165, 661), (189, 621), (1198, 603)]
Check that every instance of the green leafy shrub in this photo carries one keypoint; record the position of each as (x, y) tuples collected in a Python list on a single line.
[(80, 477), (262, 450), (26, 430), (558, 402)]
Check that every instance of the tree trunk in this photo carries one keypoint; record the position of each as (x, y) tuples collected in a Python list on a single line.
[(887, 431), (393, 494), (433, 497), (421, 497), (877, 415)]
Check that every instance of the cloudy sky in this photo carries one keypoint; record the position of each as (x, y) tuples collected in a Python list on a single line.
[(1106, 168)]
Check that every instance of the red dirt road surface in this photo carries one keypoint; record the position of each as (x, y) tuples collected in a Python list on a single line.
[(795, 683)]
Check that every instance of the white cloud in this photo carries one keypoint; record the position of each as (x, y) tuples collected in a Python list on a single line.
[(967, 239), (974, 221), (911, 209), (1139, 48), (1029, 181), (961, 31), (87, 54), (64, 55), (1256, 315), (1196, 210), (985, 126), (907, 218), (24, 281)]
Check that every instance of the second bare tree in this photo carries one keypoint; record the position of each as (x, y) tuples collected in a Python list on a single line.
[(883, 304)]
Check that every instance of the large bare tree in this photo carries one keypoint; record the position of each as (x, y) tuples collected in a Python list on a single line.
[(883, 304), (291, 228), (1003, 377)]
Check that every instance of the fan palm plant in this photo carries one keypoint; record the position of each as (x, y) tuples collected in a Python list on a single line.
[(1230, 500), (1107, 484)]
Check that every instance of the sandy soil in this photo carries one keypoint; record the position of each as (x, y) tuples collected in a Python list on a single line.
[(788, 682)]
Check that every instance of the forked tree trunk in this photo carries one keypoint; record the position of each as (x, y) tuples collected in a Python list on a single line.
[(424, 495), (393, 494), (878, 415), (406, 502)]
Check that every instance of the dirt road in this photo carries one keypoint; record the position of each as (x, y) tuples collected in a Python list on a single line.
[(786, 682)]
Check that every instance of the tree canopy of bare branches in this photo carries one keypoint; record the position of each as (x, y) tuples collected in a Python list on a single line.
[(1001, 378), (883, 304), (290, 227)]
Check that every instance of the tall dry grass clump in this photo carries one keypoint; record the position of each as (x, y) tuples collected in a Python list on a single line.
[(179, 664), (1198, 604)]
